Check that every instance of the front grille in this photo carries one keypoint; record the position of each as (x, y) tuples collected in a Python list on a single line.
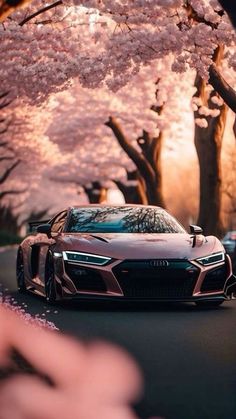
[(215, 279), (140, 279), (85, 279)]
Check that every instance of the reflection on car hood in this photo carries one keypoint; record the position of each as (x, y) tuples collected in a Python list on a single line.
[(137, 245)]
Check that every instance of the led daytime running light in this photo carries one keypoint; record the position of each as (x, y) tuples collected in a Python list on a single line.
[(87, 258), (211, 259), (57, 254)]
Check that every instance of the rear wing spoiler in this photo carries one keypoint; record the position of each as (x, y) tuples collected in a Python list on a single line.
[(34, 224)]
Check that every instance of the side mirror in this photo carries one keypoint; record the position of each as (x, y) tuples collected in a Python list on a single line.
[(195, 229), (44, 229)]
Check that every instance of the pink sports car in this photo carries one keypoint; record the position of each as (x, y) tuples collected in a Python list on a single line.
[(126, 252)]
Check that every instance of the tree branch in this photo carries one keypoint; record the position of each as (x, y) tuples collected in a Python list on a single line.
[(4, 94), (3, 131), (5, 104), (151, 148), (156, 144), (193, 15), (12, 192), (145, 142), (157, 148), (143, 166), (6, 125), (3, 158), (8, 171), (63, 180), (40, 11), (221, 86), (3, 143)]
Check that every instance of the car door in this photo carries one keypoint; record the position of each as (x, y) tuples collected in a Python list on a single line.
[(40, 247)]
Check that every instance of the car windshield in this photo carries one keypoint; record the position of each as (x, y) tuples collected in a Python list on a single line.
[(122, 220)]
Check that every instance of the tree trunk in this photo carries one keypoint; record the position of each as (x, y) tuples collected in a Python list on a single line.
[(154, 185), (133, 189), (8, 220), (208, 143), (96, 193), (147, 161)]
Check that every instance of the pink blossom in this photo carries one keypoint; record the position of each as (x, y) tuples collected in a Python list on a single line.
[(201, 122), (88, 381), (99, 42)]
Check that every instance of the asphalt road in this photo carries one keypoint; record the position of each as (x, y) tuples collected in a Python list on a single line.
[(187, 354)]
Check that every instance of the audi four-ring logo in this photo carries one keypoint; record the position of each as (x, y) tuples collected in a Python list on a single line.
[(158, 263)]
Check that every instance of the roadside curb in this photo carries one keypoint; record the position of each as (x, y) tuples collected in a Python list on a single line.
[(9, 247)]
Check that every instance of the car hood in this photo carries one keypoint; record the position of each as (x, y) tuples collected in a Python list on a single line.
[(139, 246)]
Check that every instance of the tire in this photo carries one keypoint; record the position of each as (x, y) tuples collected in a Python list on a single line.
[(50, 289), (209, 304), (20, 275)]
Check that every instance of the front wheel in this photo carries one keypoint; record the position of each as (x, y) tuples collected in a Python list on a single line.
[(209, 304), (50, 290), (20, 274)]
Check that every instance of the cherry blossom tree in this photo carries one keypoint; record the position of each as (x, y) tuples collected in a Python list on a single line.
[(110, 41), (7, 7), (84, 151), (122, 36), (147, 161), (8, 159), (22, 161), (93, 146), (210, 116)]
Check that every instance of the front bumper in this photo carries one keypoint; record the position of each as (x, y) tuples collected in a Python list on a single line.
[(141, 280)]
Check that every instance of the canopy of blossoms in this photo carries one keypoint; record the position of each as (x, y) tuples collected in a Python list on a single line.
[(61, 59), (65, 139), (105, 41)]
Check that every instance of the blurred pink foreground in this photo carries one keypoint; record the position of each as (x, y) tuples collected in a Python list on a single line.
[(91, 381)]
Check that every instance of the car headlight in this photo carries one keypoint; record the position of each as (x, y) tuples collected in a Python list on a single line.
[(211, 259), (79, 257)]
